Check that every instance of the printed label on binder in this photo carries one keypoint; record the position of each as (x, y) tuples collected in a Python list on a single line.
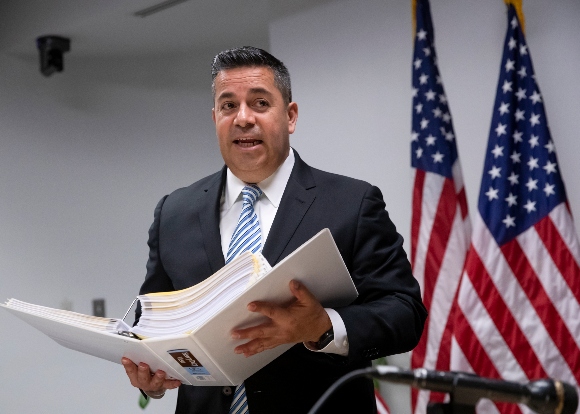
[(191, 364)]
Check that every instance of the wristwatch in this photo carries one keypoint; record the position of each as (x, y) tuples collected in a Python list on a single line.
[(325, 339)]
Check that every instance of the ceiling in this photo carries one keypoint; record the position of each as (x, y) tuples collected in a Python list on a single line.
[(110, 27)]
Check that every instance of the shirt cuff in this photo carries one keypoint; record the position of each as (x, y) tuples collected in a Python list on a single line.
[(340, 343)]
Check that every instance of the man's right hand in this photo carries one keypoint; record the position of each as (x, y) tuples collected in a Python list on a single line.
[(141, 377)]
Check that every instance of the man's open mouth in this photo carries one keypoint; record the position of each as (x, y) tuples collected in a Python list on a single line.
[(250, 142)]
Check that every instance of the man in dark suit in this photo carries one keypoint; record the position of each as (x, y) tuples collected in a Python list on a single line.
[(254, 116)]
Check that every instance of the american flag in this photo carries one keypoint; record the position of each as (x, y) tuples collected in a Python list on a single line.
[(440, 226), (518, 315)]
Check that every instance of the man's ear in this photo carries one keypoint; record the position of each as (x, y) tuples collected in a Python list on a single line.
[(292, 116), (213, 114)]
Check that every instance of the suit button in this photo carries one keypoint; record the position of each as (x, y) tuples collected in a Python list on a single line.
[(227, 390)]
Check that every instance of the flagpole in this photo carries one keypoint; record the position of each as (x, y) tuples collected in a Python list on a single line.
[(519, 11)]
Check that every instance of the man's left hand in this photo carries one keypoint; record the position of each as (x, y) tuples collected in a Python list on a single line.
[(303, 320)]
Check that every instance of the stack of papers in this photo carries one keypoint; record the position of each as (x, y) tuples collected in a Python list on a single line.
[(182, 311), (72, 318)]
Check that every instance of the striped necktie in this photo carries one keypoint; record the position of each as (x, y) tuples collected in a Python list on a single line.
[(247, 236)]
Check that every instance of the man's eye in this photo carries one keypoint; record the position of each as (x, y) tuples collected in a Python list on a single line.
[(227, 105), (262, 103)]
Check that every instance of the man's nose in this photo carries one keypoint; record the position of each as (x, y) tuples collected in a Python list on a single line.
[(245, 116)]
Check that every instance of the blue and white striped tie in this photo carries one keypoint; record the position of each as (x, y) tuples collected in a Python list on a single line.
[(247, 236)]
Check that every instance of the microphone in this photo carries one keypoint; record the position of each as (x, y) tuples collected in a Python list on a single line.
[(544, 396)]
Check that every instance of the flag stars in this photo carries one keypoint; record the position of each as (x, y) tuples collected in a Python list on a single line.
[(517, 136), (550, 147), (510, 65), (501, 129), (533, 163), (492, 193), (417, 63), (534, 141), (497, 151), (430, 140), (532, 184), (513, 178), (446, 117), (536, 97), (504, 108), (523, 50), (550, 167), (438, 80), (421, 34), (549, 189), (495, 172), (521, 94), (419, 107), (509, 221), (414, 136), (430, 95), (512, 200), (437, 157), (519, 115), (512, 43), (507, 86), (522, 72), (530, 206), (442, 98), (419, 152), (516, 157), (514, 23), (449, 136), (535, 119), (423, 79), (427, 51), (437, 112), (424, 123), (414, 92)]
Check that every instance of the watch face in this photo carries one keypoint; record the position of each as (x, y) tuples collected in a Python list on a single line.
[(325, 339)]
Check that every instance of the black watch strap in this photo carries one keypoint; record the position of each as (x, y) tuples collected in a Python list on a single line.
[(325, 339)]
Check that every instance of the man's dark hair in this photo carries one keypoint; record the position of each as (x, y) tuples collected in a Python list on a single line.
[(248, 56)]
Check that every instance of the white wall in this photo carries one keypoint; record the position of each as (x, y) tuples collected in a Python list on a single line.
[(86, 154), (351, 71), (84, 157)]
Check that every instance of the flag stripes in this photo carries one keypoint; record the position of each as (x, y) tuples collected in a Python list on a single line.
[(440, 225)]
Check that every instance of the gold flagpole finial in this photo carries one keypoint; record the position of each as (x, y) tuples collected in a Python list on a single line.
[(520, 12)]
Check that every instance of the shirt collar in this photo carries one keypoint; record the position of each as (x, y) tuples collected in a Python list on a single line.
[(273, 186)]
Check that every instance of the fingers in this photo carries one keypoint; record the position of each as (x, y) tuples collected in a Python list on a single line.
[(141, 377), (255, 346), (302, 320)]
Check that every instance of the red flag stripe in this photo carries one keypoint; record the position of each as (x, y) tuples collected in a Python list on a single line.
[(562, 219), (554, 283), (544, 308), (502, 316), (561, 255), (439, 237), (487, 334), (417, 211), (467, 341), (513, 294)]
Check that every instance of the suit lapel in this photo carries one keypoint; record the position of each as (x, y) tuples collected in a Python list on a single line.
[(209, 218), (298, 196)]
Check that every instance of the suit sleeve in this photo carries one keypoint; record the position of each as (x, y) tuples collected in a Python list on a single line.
[(388, 316), (156, 279)]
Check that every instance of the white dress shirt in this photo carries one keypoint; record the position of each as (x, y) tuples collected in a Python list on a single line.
[(266, 208)]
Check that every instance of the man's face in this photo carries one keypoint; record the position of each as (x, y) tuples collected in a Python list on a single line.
[(253, 124)]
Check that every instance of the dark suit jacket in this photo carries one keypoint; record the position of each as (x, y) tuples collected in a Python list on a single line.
[(386, 318)]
